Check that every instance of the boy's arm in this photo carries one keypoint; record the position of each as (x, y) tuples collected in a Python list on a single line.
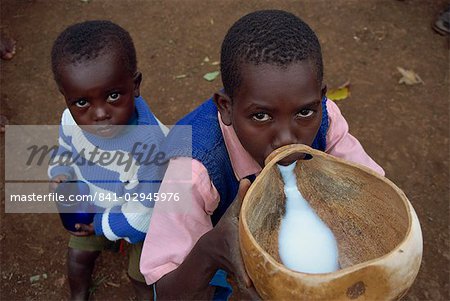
[(176, 226), (58, 171), (130, 220), (216, 249), (181, 252), (340, 143)]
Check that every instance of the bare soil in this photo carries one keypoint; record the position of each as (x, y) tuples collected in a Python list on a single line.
[(404, 128)]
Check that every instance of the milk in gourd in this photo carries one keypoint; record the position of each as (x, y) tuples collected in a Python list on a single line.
[(305, 242)]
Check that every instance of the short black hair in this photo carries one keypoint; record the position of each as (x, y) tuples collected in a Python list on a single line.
[(267, 36), (85, 41)]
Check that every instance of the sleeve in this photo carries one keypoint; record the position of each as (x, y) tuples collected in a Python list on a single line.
[(131, 219), (177, 225), (342, 144), (56, 166)]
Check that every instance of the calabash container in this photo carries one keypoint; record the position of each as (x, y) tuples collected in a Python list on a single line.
[(377, 231), (75, 207)]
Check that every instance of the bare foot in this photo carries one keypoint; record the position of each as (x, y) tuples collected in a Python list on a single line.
[(7, 47), (3, 121)]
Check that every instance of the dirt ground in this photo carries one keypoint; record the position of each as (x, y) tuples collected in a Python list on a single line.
[(404, 128)]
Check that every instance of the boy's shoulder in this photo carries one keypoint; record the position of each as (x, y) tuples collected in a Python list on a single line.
[(67, 118), (147, 116), (332, 109)]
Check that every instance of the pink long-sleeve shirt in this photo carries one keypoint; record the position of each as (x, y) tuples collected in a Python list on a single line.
[(176, 226)]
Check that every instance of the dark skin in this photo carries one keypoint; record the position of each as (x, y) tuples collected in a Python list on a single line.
[(279, 106), (7, 47), (100, 96)]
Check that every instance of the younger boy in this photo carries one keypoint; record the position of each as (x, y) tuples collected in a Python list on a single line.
[(271, 66), (94, 65)]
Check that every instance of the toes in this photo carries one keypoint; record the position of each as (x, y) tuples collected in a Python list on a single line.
[(3, 122), (7, 47)]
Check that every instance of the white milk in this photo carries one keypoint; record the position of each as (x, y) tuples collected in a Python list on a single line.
[(305, 242)]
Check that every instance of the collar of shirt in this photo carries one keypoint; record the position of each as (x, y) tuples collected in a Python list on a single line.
[(242, 162)]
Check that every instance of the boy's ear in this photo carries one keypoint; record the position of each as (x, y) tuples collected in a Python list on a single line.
[(324, 90), (137, 78), (60, 89), (223, 103)]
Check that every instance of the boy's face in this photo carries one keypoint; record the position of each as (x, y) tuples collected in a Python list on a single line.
[(100, 93), (273, 107)]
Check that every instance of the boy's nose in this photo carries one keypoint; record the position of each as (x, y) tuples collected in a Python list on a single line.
[(284, 137), (100, 114)]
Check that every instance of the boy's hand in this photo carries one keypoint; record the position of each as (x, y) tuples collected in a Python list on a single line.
[(227, 250), (55, 181), (85, 230)]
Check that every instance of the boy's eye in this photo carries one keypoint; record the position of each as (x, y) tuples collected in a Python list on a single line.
[(82, 103), (261, 117), (305, 113), (113, 97)]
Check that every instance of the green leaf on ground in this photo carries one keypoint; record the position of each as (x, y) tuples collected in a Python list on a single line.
[(211, 76)]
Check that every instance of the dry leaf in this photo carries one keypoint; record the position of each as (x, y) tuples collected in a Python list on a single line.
[(409, 77), (110, 283), (35, 278), (342, 92)]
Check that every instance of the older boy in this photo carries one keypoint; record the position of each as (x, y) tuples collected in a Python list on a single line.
[(271, 65)]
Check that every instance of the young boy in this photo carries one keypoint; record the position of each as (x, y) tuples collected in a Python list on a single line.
[(271, 65), (94, 65)]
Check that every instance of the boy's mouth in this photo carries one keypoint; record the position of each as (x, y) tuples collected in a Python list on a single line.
[(291, 158), (106, 130)]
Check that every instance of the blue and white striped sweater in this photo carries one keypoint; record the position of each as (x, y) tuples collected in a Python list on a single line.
[(118, 218)]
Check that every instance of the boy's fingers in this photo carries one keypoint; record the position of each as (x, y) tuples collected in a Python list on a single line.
[(83, 230), (251, 294), (244, 185), (249, 289), (243, 272), (79, 233), (83, 227), (244, 276), (53, 186), (54, 182)]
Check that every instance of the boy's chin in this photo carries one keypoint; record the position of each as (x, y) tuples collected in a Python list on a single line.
[(106, 131)]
